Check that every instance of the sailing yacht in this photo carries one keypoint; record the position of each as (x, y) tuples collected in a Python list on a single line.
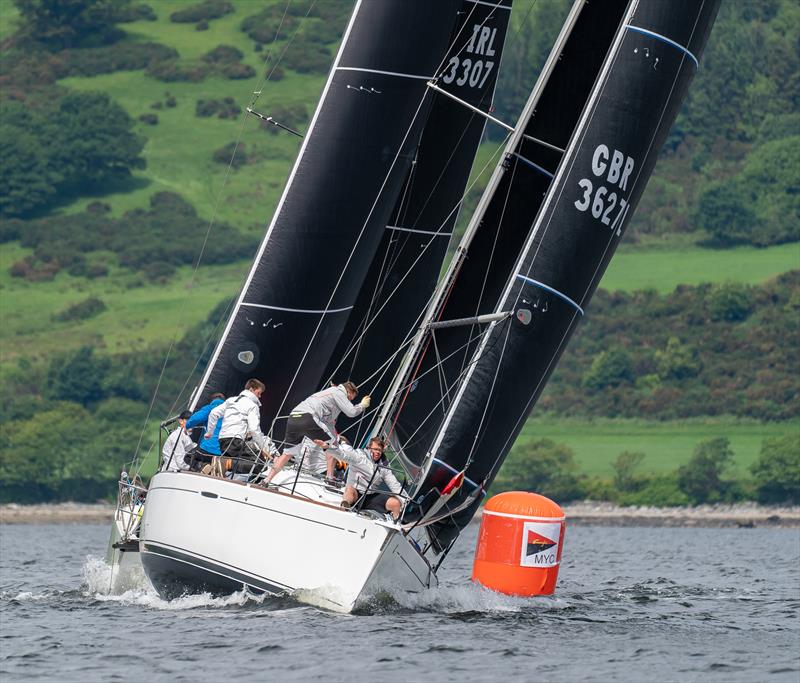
[(346, 282)]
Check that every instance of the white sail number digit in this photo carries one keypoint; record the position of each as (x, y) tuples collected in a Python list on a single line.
[(467, 70), (615, 168), (475, 72)]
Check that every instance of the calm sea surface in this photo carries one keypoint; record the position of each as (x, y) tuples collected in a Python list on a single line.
[(633, 604)]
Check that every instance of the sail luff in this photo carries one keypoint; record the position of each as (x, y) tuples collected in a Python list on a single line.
[(613, 150), (320, 244), (537, 225), (198, 392)]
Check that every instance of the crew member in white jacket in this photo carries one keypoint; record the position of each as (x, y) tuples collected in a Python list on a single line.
[(240, 435), (363, 464), (316, 418), (177, 445)]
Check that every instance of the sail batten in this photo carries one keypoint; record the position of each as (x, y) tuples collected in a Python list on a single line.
[(332, 214)]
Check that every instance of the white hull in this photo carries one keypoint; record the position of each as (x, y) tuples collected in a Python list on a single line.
[(203, 533)]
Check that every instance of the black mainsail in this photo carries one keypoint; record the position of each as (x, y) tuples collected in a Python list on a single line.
[(409, 259), (331, 217), (539, 244)]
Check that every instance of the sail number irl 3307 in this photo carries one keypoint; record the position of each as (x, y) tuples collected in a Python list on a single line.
[(613, 168), (469, 70)]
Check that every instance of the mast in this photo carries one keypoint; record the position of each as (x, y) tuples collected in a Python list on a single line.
[(647, 65), (408, 261), (329, 221)]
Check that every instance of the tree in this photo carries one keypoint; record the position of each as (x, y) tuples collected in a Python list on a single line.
[(730, 301), (677, 361), (61, 24), (27, 179), (701, 479), (777, 470), (93, 140), (79, 376), (625, 466), (610, 369), (545, 467)]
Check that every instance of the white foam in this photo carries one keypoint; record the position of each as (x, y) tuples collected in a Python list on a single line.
[(471, 597)]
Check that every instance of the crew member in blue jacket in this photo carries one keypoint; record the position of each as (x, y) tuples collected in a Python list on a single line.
[(209, 443)]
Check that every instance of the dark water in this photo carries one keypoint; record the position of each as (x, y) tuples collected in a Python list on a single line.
[(633, 604)]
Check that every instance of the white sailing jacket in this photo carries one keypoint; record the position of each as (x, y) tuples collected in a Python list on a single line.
[(361, 468), (175, 447), (241, 414), (326, 405)]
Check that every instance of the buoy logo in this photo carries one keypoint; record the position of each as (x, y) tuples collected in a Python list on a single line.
[(540, 544)]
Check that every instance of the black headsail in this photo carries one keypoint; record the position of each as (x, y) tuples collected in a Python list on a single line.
[(579, 204), (336, 204), (409, 259)]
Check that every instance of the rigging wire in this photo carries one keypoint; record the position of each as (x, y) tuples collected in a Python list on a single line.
[(198, 260)]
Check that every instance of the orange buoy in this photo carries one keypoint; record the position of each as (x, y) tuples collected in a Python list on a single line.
[(519, 544)]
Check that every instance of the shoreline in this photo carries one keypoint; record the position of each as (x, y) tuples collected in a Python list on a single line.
[(586, 513)]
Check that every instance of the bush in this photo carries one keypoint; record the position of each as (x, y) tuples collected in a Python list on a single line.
[(305, 57), (658, 491), (123, 57), (83, 310), (167, 235), (677, 361), (291, 115), (224, 109), (78, 376), (237, 71), (124, 13), (545, 467), (204, 11), (610, 369), (701, 479), (225, 155), (777, 470), (223, 54), (201, 26), (731, 301), (269, 25), (149, 119), (625, 466), (171, 71)]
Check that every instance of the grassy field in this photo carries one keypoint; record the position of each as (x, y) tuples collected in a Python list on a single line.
[(666, 445), (179, 148), (136, 316), (664, 269)]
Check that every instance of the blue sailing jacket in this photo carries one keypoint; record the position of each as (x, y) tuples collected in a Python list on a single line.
[(200, 419)]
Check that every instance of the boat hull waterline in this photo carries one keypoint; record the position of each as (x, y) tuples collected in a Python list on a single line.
[(271, 542)]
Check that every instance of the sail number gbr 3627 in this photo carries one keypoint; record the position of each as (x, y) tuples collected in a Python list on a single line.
[(470, 70), (605, 194)]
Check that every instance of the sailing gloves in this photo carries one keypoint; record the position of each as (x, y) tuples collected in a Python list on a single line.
[(365, 402)]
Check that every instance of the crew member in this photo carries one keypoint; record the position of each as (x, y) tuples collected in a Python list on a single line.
[(176, 447), (316, 418)]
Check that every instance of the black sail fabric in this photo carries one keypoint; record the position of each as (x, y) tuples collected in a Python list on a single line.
[(330, 220), (407, 263), (585, 211), (502, 231)]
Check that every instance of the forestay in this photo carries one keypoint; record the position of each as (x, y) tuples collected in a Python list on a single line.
[(541, 240), (409, 259)]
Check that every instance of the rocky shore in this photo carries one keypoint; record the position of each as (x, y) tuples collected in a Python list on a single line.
[(586, 513)]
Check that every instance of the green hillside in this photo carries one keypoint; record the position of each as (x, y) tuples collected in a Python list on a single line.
[(124, 127)]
